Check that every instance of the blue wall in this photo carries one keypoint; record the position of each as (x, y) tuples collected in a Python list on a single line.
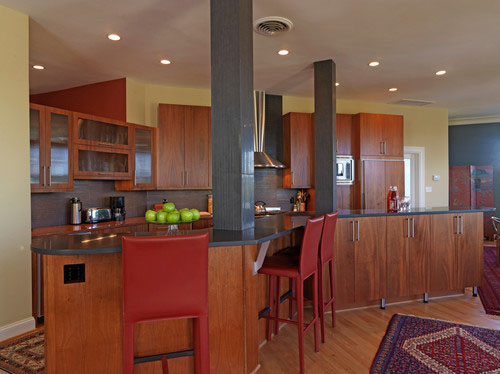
[(477, 145)]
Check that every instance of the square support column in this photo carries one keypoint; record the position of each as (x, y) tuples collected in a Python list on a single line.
[(325, 139), (231, 42)]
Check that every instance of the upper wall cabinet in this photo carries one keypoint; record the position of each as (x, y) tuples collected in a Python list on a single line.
[(50, 149), (344, 134), (102, 148), (184, 147), (298, 150), (144, 160), (380, 135)]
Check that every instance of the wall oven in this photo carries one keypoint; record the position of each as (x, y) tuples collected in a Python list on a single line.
[(345, 170)]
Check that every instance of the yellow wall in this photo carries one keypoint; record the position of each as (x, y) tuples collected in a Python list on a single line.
[(423, 127), (15, 228)]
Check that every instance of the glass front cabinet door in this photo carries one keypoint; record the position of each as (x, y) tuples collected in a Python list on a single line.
[(50, 149)]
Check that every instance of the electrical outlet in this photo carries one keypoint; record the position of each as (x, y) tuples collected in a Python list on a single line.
[(428, 189), (436, 178)]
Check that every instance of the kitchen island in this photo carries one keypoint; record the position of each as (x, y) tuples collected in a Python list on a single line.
[(428, 252)]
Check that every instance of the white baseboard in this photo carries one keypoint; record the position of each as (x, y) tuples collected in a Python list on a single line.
[(16, 328)]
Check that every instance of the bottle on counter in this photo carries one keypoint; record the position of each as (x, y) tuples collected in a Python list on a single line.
[(392, 199), (210, 204)]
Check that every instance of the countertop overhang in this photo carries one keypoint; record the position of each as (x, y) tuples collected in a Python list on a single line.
[(266, 229)]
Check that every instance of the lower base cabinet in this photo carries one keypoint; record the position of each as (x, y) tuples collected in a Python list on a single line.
[(401, 256), (408, 245), (359, 254)]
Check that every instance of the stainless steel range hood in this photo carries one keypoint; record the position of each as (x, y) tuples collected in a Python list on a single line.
[(261, 158)]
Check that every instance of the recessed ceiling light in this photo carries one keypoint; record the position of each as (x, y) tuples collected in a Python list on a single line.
[(38, 67), (114, 37), (283, 52), (337, 84), (441, 72), (165, 62), (393, 89), (374, 63)]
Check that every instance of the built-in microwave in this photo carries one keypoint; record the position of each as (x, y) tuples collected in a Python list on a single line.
[(345, 170)]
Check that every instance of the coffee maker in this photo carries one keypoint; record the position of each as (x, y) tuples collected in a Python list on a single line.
[(117, 205)]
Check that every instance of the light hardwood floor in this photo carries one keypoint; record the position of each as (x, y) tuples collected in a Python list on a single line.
[(351, 346)]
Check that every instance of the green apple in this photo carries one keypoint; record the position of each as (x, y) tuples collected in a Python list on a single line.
[(186, 216), (161, 216), (196, 214), (168, 207), (183, 209), (150, 216), (173, 217)]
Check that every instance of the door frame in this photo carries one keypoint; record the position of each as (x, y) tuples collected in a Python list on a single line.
[(420, 153)]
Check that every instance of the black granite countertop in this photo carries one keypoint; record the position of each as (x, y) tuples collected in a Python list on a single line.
[(266, 228), (413, 211)]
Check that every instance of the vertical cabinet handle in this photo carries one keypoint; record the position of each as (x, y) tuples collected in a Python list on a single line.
[(385, 148), (358, 229), (183, 180), (187, 178), (44, 175), (455, 223), (407, 227), (293, 178), (382, 147), (50, 176), (413, 227), (462, 225), (352, 223)]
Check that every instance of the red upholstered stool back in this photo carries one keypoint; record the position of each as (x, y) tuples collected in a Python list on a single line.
[(327, 239), (310, 245), (165, 277)]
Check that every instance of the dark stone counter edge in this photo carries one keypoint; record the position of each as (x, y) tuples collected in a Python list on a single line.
[(118, 249), (415, 212)]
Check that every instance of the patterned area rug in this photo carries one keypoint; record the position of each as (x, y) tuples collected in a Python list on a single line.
[(24, 355), (425, 346), (489, 292)]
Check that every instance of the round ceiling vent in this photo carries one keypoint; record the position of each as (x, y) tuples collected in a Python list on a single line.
[(272, 26)]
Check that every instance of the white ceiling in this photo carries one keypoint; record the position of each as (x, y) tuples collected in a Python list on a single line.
[(412, 40)]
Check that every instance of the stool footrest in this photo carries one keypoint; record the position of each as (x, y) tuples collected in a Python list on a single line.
[(143, 359)]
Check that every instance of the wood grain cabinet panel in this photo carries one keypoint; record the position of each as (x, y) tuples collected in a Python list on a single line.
[(359, 257), (443, 256), (298, 150), (408, 242), (344, 261), (344, 134), (380, 135), (470, 250), (378, 175), (184, 147)]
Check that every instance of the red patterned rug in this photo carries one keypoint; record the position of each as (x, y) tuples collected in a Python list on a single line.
[(425, 346), (24, 355), (489, 292)]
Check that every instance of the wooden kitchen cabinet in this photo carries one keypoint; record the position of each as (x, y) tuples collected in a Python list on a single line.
[(408, 243), (51, 166), (144, 157), (102, 148), (184, 147), (344, 134), (377, 176), (456, 258), (380, 135), (360, 257), (298, 150)]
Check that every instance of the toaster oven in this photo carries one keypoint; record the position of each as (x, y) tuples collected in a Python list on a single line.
[(94, 215)]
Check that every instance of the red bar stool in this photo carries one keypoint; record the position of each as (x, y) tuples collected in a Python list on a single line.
[(297, 269), (166, 278), (326, 257)]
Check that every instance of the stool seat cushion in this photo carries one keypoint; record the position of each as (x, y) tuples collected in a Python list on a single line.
[(281, 266)]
